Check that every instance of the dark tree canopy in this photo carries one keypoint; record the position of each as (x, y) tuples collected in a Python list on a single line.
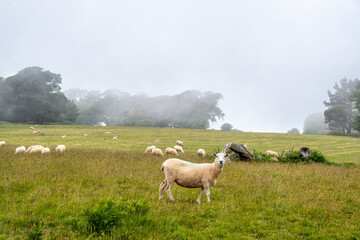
[(294, 131), (190, 109), (33, 95), (341, 109), (226, 127)]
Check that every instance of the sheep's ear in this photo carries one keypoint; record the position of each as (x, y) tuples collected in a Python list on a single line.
[(227, 155), (214, 154)]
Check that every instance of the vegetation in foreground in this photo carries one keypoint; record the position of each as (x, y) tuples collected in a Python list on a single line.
[(112, 193)]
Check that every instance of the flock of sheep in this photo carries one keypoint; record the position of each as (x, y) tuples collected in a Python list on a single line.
[(176, 150)]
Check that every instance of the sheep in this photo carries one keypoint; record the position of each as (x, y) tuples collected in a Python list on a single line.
[(32, 128), (35, 132), (201, 153), (63, 136), (85, 135), (37, 149), (33, 146), (156, 141), (2, 143), (192, 175), (108, 132), (115, 138), (149, 149), (171, 151), (45, 150), (179, 143), (157, 152), (179, 149), (272, 153), (246, 145), (20, 149), (40, 133), (60, 148)]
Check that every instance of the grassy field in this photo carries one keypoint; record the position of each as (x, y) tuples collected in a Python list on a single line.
[(52, 196)]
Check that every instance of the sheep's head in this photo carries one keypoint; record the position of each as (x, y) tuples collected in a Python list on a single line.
[(221, 158)]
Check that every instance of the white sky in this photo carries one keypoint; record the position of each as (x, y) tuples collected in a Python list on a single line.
[(273, 61)]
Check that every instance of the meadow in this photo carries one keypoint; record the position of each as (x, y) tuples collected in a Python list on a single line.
[(52, 196)]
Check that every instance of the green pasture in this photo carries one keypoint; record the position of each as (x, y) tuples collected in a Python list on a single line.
[(47, 196)]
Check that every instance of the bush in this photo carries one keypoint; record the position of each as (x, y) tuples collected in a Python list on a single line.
[(292, 157), (108, 214)]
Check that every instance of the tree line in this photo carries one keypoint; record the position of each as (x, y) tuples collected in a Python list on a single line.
[(34, 95)]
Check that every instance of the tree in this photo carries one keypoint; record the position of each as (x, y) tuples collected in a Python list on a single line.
[(315, 124), (341, 110), (294, 131), (226, 127), (33, 95), (355, 97)]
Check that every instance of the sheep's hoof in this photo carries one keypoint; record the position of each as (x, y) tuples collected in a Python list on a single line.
[(198, 202)]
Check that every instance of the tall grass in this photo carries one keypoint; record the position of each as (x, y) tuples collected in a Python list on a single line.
[(49, 196)]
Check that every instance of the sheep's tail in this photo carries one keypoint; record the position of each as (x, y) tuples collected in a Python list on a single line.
[(163, 166)]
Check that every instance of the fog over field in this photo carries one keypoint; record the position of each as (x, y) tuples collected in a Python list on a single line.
[(273, 61)]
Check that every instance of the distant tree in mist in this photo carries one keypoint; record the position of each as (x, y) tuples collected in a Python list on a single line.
[(226, 127), (294, 131), (34, 95), (341, 111), (355, 97), (190, 109), (315, 124)]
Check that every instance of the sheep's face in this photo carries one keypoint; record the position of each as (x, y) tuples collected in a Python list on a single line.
[(221, 158)]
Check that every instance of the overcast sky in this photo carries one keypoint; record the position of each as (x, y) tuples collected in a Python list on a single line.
[(273, 61)]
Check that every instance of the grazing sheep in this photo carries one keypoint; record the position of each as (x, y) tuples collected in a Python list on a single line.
[(85, 134), (20, 149), (246, 145), (179, 149), (115, 138), (60, 148), (35, 132), (157, 152), (201, 153), (40, 133), (36, 149), (45, 150), (32, 128), (157, 141), (33, 146), (149, 149), (171, 151), (2, 143), (192, 175), (108, 132), (272, 153), (63, 136), (179, 143)]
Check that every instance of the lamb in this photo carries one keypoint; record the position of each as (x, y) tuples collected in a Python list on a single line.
[(32, 128), (33, 146), (272, 153), (115, 138), (108, 132), (45, 150), (60, 148), (157, 141), (36, 149), (85, 135), (179, 143), (179, 149), (171, 151), (20, 149), (201, 153), (149, 149), (157, 152), (192, 175), (2, 143), (63, 136)]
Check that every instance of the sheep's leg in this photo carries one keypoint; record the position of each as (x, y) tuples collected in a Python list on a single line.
[(208, 194), (168, 189), (201, 193), (161, 189)]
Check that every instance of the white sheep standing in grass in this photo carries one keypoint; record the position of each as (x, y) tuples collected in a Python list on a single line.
[(20, 149), (37, 149), (246, 145), (179, 143), (60, 148), (32, 128), (115, 138), (149, 149), (63, 136), (33, 146), (85, 135), (179, 149), (2, 143), (192, 175), (201, 153), (272, 153), (157, 152), (171, 151), (156, 141), (45, 150)]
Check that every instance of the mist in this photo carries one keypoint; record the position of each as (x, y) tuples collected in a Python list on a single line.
[(272, 61)]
